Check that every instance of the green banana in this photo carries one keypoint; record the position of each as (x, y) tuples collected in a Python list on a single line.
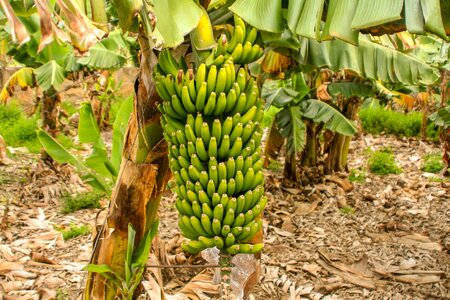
[(200, 101), (210, 188), (230, 167), (229, 239), (197, 225), (239, 220), (196, 208), (221, 81), (204, 133), (200, 76), (212, 147), (186, 100), (220, 104), (231, 187), (203, 198), (201, 150), (219, 242), (222, 171), (216, 226), (206, 224), (210, 105), (211, 79)]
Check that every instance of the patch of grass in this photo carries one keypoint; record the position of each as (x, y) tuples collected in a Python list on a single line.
[(74, 231), (71, 203), (382, 162), (61, 294), (275, 166), (347, 210), (432, 163), (17, 129), (376, 120), (357, 175)]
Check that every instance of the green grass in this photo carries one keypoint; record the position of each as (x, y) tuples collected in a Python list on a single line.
[(382, 162), (275, 166), (376, 120), (347, 210), (71, 203), (432, 163), (74, 231), (357, 175), (19, 130)]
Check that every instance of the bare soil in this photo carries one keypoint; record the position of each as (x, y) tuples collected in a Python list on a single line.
[(385, 238)]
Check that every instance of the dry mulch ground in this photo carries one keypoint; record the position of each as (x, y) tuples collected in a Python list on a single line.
[(385, 238)]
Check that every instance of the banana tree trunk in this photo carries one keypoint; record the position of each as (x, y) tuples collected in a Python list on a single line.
[(142, 179), (273, 146), (340, 145), (290, 168), (445, 133), (310, 153), (50, 111)]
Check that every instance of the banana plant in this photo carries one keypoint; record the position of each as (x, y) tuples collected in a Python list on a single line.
[(50, 51), (98, 169), (302, 117)]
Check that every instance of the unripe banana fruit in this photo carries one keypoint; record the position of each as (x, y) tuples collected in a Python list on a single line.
[(211, 120)]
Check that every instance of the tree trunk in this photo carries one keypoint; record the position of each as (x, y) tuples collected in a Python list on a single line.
[(290, 170), (310, 153), (273, 146), (143, 176), (50, 111), (445, 133), (340, 145)]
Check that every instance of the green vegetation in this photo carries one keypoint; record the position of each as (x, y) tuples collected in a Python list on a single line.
[(432, 163), (275, 166), (382, 162), (19, 130), (69, 107), (347, 210), (71, 203), (357, 175), (74, 231), (376, 120), (61, 294), (269, 115)]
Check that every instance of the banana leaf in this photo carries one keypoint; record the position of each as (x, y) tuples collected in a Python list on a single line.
[(321, 112), (22, 78), (262, 14), (50, 75), (175, 19), (61, 155), (441, 117), (349, 89), (119, 130), (369, 60), (292, 127)]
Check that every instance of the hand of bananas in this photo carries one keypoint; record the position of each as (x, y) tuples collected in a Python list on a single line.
[(211, 120), (238, 44)]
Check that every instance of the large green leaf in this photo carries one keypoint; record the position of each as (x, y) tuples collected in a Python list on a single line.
[(277, 94), (431, 12), (441, 117), (102, 58), (350, 89), (338, 22), (414, 16), (369, 60), (291, 126), (306, 21), (88, 132), (321, 112), (119, 130), (50, 75), (262, 14), (371, 13), (61, 155), (175, 19)]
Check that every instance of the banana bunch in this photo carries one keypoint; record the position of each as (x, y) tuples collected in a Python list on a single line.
[(239, 45), (211, 120)]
